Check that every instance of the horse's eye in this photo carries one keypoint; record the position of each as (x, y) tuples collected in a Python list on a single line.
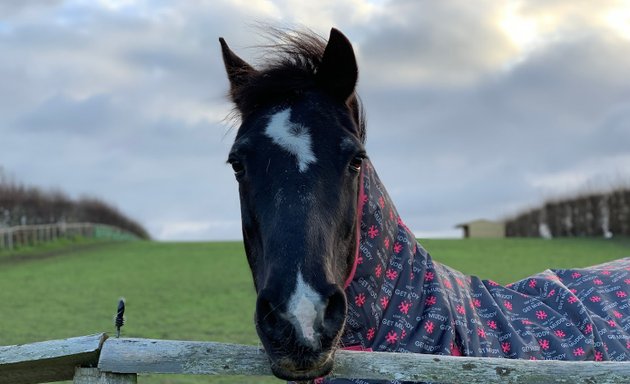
[(355, 163), (238, 168)]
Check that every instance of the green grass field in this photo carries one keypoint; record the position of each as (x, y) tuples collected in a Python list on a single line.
[(203, 291)]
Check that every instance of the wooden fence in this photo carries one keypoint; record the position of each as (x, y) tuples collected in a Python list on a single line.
[(99, 359), (29, 235)]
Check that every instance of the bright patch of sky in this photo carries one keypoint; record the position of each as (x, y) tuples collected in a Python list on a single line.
[(619, 20)]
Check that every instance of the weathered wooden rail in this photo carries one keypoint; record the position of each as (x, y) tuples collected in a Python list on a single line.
[(99, 359)]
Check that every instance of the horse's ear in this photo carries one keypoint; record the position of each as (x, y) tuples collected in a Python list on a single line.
[(338, 72), (238, 71)]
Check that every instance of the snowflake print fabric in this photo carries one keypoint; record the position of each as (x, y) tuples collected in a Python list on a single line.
[(400, 300)]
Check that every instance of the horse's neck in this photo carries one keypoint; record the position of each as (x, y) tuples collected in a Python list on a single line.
[(385, 243), (392, 272)]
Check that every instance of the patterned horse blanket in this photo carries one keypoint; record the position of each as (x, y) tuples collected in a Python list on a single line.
[(400, 300)]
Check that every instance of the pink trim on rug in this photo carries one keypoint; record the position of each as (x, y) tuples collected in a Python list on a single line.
[(358, 231), (357, 348)]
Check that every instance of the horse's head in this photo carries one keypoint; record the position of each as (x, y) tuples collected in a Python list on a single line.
[(297, 159)]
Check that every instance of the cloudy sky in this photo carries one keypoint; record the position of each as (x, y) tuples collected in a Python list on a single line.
[(475, 108)]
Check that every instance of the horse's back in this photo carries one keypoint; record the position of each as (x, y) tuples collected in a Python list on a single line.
[(594, 300)]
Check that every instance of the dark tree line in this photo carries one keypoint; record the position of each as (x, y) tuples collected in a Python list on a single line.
[(22, 205), (588, 215)]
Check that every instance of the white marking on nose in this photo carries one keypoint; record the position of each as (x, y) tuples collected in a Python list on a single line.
[(304, 306), (293, 138)]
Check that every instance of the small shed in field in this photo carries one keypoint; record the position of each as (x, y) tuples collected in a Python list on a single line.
[(483, 228)]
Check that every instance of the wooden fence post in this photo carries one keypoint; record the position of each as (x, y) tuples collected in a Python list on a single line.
[(48, 361), (10, 239), (95, 376)]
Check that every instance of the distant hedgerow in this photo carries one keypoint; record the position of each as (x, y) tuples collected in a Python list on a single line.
[(27, 205), (604, 214)]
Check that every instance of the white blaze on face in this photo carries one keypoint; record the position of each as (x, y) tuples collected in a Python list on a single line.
[(303, 308), (293, 138)]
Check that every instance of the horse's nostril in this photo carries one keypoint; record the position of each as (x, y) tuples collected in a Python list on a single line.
[(266, 313), (335, 310)]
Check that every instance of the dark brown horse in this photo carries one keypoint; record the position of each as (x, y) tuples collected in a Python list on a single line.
[(297, 158), (334, 265)]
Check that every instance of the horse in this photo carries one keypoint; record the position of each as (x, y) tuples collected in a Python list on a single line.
[(334, 265)]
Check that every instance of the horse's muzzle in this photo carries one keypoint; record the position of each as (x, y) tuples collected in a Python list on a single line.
[(293, 355), (289, 369)]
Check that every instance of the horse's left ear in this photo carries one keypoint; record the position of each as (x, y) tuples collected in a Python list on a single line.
[(237, 69), (338, 72)]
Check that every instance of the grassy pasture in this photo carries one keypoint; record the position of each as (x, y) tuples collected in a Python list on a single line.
[(203, 291)]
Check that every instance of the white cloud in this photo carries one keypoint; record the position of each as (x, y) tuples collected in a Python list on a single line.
[(444, 43), (594, 174), (323, 14), (475, 109), (442, 234), (196, 230)]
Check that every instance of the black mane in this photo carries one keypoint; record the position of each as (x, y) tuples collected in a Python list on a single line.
[(289, 69)]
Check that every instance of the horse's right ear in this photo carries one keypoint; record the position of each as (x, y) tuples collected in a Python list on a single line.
[(338, 72), (237, 69)]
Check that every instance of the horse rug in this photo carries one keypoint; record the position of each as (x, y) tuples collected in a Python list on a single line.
[(400, 300)]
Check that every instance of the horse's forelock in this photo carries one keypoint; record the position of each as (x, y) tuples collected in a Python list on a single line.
[(288, 69)]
